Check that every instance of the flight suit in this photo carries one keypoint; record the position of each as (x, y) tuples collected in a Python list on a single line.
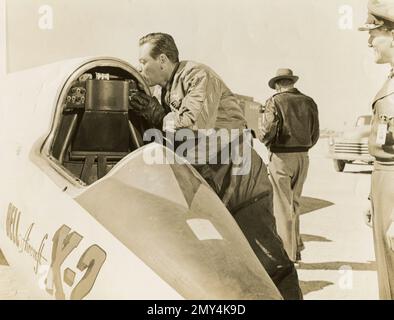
[(203, 101)]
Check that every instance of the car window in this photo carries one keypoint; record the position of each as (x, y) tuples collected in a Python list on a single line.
[(364, 121)]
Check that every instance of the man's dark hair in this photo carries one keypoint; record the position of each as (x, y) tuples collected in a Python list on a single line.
[(162, 43), (285, 82)]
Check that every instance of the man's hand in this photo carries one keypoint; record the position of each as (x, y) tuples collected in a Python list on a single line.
[(390, 236), (147, 107), (169, 122)]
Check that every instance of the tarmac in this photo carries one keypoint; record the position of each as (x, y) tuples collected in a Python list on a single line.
[(338, 262)]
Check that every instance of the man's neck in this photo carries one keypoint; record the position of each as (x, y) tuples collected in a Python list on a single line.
[(281, 90), (170, 74)]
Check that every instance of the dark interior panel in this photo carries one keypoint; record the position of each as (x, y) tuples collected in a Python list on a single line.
[(97, 129)]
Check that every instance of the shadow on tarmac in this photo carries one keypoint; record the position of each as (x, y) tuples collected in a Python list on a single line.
[(313, 238), (309, 204), (3, 261), (311, 286), (337, 265)]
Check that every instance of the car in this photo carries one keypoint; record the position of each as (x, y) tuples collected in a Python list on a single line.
[(84, 216), (351, 146)]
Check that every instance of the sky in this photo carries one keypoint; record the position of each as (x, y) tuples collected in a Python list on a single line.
[(245, 42)]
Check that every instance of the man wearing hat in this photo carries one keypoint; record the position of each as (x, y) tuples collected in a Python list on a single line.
[(380, 25), (289, 128)]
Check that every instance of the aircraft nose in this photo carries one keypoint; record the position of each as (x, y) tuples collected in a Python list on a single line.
[(198, 247)]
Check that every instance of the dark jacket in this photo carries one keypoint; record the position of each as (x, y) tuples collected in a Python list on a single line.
[(290, 122)]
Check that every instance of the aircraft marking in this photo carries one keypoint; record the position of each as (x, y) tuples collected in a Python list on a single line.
[(204, 229), (64, 242)]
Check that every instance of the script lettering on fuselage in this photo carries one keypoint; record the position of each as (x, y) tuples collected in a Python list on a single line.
[(63, 243), (22, 241)]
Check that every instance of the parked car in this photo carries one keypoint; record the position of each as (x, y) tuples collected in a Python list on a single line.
[(351, 145)]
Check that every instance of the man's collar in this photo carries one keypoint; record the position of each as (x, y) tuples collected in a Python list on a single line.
[(169, 82), (291, 90)]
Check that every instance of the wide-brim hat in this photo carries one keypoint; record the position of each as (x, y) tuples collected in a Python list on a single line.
[(282, 74)]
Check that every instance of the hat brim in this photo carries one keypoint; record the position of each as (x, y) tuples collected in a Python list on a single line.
[(369, 27), (272, 82), (373, 22)]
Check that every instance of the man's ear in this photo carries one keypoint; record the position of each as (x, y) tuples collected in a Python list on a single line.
[(163, 58)]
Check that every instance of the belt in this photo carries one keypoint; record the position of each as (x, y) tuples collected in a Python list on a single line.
[(288, 149)]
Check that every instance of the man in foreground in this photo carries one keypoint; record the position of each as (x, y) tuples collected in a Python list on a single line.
[(194, 97)]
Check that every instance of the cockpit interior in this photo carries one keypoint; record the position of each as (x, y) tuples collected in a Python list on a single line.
[(95, 127)]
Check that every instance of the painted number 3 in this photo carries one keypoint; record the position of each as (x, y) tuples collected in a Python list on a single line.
[(91, 260)]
